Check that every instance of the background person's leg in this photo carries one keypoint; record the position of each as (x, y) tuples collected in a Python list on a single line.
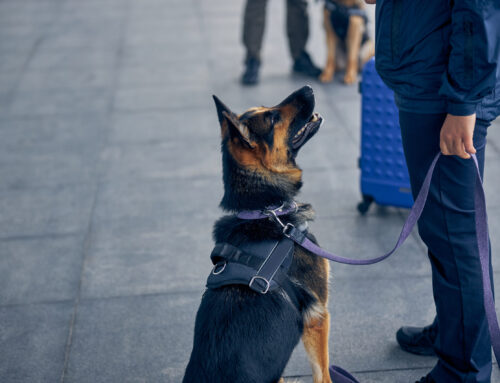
[(254, 21), (297, 26), (447, 227)]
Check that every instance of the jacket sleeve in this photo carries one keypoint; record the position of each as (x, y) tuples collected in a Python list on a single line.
[(474, 54)]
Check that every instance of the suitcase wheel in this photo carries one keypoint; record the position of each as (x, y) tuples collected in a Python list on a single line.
[(364, 205)]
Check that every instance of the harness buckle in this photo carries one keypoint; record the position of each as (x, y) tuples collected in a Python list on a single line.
[(216, 270), (263, 290)]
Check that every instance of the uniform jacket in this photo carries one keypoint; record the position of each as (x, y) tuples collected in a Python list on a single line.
[(440, 56)]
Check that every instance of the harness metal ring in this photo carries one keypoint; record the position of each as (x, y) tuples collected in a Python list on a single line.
[(215, 271)]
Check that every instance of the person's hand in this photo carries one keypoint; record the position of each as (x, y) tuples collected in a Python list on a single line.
[(456, 136), (370, 1)]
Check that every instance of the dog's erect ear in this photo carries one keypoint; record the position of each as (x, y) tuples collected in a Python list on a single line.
[(229, 123), (221, 107), (238, 128)]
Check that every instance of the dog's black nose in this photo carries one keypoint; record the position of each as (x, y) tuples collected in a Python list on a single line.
[(307, 89), (303, 99), (306, 93)]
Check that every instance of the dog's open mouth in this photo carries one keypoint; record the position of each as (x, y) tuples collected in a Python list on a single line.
[(307, 131)]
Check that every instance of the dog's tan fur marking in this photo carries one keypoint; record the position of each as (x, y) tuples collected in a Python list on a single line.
[(331, 46), (353, 43), (352, 3), (315, 339)]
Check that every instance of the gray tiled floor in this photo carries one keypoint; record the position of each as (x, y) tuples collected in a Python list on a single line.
[(111, 176)]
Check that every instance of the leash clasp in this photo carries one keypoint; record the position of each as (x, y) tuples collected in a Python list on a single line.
[(287, 230), (273, 213)]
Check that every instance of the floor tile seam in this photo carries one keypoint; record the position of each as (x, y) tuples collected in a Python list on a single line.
[(69, 113), (355, 213), (43, 35), (151, 109), (41, 236), (82, 88), (157, 179), (387, 277), (132, 84), (191, 88), (21, 117), (203, 109), (401, 369), (377, 278), (46, 186), (36, 303), (174, 141), (99, 164), (118, 62), (166, 294), (54, 49), (84, 253)]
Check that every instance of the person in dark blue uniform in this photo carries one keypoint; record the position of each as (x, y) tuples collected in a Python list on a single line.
[(441, 58)]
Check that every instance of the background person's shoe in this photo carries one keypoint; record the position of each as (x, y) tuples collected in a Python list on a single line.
[(417, 340), (251, 74), (304, 65), (426, 379)]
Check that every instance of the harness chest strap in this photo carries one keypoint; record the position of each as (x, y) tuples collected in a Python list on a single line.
[(261, 265)]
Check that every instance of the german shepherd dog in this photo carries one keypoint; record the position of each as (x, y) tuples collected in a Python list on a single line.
[(242, 336), (347, 41)]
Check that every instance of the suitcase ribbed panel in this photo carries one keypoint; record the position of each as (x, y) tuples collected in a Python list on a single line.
[(384, 174)]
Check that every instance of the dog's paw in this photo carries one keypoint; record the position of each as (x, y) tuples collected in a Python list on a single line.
[(350, 77), (326, 76)]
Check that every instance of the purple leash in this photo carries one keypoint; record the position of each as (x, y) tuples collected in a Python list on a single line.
[(337, 373)]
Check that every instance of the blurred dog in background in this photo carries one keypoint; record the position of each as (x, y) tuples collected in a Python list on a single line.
[(348, 45)]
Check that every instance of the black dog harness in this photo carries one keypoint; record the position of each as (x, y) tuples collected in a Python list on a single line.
[(339, 18), (261, 265)]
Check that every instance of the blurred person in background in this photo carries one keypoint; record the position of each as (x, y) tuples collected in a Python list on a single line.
[(441, 58), (297, 26)]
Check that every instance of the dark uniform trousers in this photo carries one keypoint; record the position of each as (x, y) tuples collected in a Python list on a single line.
[(297, 26), (447, 227)]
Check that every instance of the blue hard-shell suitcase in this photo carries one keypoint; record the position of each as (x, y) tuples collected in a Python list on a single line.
[(384, 175)]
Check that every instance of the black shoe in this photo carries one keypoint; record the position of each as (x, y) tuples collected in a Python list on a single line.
[(304, 65), (418, 340), (251, 74), (426, 379)]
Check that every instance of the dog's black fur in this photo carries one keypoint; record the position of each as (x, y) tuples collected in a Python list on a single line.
[(242, 336)]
